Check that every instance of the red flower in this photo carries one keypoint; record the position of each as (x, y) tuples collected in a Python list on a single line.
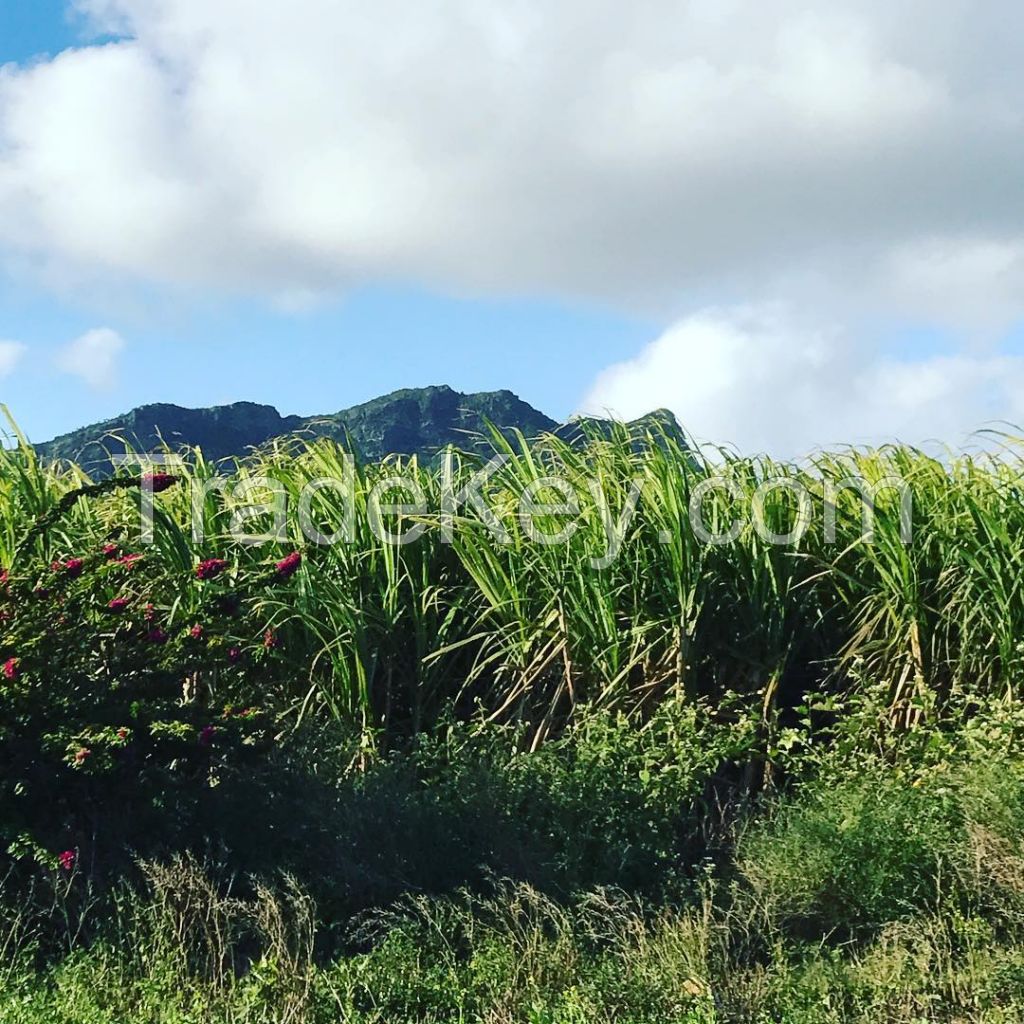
[(72, 568), (128, 561), (110, 551), (270, 640), (67, 860), (234, 655), (118, 605), (158, 482), (122, 734), (196, 632), (10, 669), (289, 566), (206, 735), (149, 613), (156, 636), (210, 569), (83, 755)]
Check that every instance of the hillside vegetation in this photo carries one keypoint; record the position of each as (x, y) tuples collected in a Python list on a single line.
[(631, 776), (413, 421)]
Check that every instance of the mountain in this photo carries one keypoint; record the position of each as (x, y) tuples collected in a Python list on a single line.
[(420, 421), (415, 421)]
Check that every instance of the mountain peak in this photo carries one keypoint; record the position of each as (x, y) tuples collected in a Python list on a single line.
[(410, 421)]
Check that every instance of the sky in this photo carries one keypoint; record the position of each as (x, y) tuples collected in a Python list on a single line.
[(794, 225)]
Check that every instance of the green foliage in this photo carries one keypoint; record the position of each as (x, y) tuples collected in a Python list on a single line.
[(853, 857), (607, 804), (391, 640), (806, 922), (123, 702), (511, 783), (410, 422)]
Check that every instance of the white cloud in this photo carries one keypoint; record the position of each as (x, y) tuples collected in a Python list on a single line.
[(760, 380), (10, 354), (658, 155), (93, 357)]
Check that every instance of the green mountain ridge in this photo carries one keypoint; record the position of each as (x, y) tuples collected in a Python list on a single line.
[(413, 421)]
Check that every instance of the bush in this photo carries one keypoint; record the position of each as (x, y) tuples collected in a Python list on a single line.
[(850, 857), (612, 802), (123, 704)]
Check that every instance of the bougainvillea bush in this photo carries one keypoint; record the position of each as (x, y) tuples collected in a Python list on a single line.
[(129, 693)]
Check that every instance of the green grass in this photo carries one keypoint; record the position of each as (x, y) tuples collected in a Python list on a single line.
[(392, 638), (889, 888), (519, 783)]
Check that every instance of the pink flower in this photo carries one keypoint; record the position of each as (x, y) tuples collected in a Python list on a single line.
[(158, 482), (128, 561), (67, 860), (210, 569), (118, 605), (156, 636), (289, 566), (110, 551), (196, 632), (206, 735), (10, 669), (72, 568), (270, 640), (83, 755), (234, 655)]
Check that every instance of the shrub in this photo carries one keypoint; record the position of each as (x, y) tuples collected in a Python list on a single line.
[(121, 704), (849, 857)]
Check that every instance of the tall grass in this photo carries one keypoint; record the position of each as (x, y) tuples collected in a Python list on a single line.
[(390, 637), (885, 882), (883, 888)]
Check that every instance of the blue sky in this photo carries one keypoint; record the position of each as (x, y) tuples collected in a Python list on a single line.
[(793, 227), (216, 350), (316, 361), (29, 29)]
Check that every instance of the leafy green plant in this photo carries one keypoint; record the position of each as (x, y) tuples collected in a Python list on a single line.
[(127, 692)]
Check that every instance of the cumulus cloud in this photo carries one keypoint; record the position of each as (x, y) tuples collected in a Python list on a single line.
[(93, 357), (761, 380), (10, 354), (852, 154)]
